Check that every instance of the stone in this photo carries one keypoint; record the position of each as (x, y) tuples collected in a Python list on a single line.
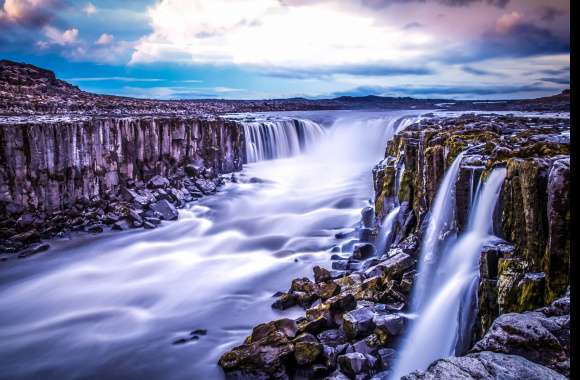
[(285, 301), (386, 357), (121, 225), (355, 363), (363, 251), (337, 375), (332, 337), (205, 186), (165, 209), (485, 366), (358, 323), (321, 274), (30, 236), (306, 349), (368, 217), (328, 290), (388, 326), (158, 182)]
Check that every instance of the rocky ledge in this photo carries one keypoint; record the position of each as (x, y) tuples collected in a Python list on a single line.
[(355, 313), (97, 173)]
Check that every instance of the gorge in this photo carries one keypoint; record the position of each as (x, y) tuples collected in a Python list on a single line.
[(416, 243)]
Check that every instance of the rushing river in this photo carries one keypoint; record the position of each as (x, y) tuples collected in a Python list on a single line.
[(109, 306)]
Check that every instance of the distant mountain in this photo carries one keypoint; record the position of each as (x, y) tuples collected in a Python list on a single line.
[(28, 89)]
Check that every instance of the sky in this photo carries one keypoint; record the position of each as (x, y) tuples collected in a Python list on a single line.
[(263, 49)]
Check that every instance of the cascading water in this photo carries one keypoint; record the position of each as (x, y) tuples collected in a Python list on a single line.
[(386, 230), (445, 319), (266, 140), (110, 306), (441, 222)]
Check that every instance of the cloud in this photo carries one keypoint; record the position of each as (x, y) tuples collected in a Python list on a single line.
[(507, 21), (413, 25), (550, 14), (120, 79), (267, 33), (324, 72), (377, 4), (90, 9), (62, 38), (556, 80), (31, 13), (104, 39), (479, 72), (166, 92), (444, 91)]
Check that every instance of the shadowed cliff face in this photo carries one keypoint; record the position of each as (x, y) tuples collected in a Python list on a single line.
[(49, 166)]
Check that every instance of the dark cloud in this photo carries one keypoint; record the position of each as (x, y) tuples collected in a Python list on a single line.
[(524, 40), (413, 25), (549, 14), (378, 4), (436, 91), (556, 80), (30, 14), (479, 72), (554, 72), (357, 70)]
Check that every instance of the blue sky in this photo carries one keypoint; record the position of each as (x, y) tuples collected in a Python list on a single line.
[(249, 49)]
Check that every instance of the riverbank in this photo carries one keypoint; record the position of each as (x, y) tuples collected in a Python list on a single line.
[(358, 313)]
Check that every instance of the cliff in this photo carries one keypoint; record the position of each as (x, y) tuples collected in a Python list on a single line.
[(530, 268), (357, 311), (68, 165)]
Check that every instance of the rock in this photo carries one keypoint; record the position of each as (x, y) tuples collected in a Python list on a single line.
[(392, 267), (485, 366), (321, 274), (355, 363), (358, 323), (315, 326), (121, 225), (337, 375), (538, 337), (286, 326), (165, 209), (193, 170), (388, 326), (328, 290), (262, 358), (285, 301), (386, 357), (368, 217), (306, 349), (205, 186), (332, 338), (158, 182), (363, 251), (30, 236), (368, 345)]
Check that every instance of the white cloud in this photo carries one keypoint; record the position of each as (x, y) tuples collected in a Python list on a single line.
[(507, 21), (104, 39), (90, 9), (267, 33), (57, 37)]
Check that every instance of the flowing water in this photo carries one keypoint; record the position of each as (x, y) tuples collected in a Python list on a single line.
[(109, 306), (445, 319)]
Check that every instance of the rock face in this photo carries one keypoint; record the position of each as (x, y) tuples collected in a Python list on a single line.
[(531, 345), (355, 314), (530, 268), (87, 166)]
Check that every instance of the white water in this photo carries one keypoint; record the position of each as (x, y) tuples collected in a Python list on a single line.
[(444, 320), (110, 306), (386, 229), (280, 138), (441, 221)]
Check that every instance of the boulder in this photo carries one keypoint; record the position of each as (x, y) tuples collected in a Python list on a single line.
[(358, 323), (363, 251), (158, 182), (165, 209), (485, 366), (306, 349), (388, 326), (355, 363)]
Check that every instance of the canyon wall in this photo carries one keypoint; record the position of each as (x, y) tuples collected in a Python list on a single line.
[(529, 267), (49, 166)]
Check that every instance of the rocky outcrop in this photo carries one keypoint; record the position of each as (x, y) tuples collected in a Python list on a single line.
[(55, 171), (355, 312), (531, 345), (532, 269)]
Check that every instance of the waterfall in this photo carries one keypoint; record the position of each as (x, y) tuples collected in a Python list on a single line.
[(266, 140), (440, 224), (445, 318), (386, 229)]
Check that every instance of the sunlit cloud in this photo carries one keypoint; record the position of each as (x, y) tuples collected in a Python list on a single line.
[(104, 39)]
